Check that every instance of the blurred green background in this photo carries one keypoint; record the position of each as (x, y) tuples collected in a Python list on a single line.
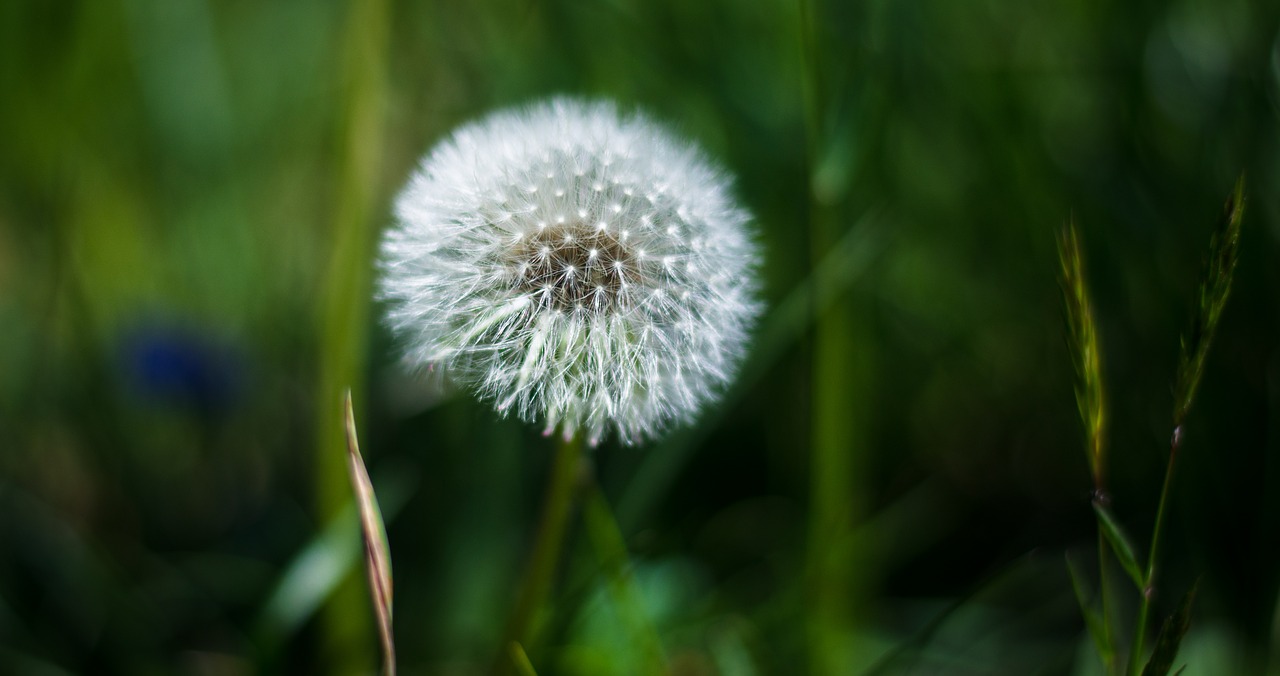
[(190, 196)]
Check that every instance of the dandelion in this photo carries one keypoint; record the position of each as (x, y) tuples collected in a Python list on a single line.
[(578, 267)]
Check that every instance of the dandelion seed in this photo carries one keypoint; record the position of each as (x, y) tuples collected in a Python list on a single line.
[(550, 312)]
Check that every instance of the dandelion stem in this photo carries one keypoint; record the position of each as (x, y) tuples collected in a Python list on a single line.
[(562, 485)]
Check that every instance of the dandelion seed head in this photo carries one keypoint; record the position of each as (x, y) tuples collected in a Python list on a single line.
[(533, 259)]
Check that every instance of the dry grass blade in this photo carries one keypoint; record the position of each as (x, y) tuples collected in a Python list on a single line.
[(1084, 347), (377, 554)]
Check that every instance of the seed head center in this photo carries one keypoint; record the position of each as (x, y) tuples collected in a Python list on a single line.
[(573, 266)]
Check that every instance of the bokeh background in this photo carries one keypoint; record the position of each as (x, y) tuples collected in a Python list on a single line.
[(190, 197)]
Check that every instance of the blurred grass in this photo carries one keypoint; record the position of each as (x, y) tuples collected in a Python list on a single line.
[(345, 300), (190, 192), (842, 376)]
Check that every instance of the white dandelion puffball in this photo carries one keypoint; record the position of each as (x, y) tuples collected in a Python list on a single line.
[(584, 269)]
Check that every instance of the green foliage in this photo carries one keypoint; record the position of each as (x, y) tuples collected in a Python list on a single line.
[(1214, 289), (190, 194), (611, 550)]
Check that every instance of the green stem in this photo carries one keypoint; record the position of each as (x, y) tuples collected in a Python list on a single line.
[(1148, 592), (1104, 586), (346, 625), (1101, 496), (840, 367), (562, 484)]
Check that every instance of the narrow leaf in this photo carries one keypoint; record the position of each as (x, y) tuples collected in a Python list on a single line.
[(321, 565), (1120, 544), (1093, 620), (377, 554), (1215, 287), (1171, 633), (311, 577)]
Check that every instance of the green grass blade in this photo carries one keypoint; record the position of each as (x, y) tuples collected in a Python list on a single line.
[(343, 307), (377, 552), (1120, 544), (314, 574), (1171, 633), (311, 577), (523, 665)]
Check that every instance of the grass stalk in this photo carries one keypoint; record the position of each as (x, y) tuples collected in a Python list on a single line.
[(840, 363), (1149, 575), (1211, 300), (1107, 651), (1087, 358)]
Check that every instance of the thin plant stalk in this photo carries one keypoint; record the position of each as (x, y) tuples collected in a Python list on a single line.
[(1149, 575), (840, 361), (787, 323), (346, 624), (562, 491), (1104, 593), (1215, 288)]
